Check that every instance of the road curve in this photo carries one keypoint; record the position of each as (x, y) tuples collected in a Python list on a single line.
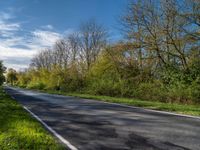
[(95, 125)]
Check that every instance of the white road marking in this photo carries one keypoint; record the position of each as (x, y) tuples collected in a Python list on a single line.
[(52, 131)]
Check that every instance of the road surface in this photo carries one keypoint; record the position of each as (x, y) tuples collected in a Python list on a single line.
[(95, 125)]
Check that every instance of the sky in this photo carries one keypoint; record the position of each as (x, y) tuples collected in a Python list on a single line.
[(28, 26)]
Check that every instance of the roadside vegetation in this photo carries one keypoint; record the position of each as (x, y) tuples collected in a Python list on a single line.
[(157, 61), (18, 130)]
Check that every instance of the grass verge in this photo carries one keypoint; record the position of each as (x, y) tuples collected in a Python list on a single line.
[(155, 105), (19, 131)]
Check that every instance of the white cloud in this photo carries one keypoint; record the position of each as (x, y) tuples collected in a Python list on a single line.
[(18, 62), (11, 51), (17, 46), (6, 52), (12, 56), (11, 41), (45, 38), (9, 27)]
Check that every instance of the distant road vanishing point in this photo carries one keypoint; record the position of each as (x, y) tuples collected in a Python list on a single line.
[(94, 125)]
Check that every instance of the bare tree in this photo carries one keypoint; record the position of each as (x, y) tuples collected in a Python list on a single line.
[(43, 60), (61, 53), (191, 13), (156, 28), (74, 45), (93, 38)]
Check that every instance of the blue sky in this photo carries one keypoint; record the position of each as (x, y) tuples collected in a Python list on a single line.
[(28, 26)]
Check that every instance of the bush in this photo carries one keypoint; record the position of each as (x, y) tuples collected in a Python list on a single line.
[(36, 85), (179, 93), (151, 91), (195, 90), (104, 87)]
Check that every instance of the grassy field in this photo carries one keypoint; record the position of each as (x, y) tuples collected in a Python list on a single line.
[(19, 131), (155, 105)]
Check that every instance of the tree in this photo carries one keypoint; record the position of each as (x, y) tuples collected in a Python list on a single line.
[(158, 31), (61, 53), (93, 38), (2, 71), (11, 76), (43, 60), (74, 43)]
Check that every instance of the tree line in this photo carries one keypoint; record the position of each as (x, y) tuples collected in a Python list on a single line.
[(158, 59)]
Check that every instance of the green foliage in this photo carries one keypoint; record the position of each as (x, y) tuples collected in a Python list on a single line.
[(36, 85), (151, 91), (107, 76), (182, 86), (103, 78), (72, 80), (195, 90), (2, 70), (2, 79), (23, 79), (56, 79), (11, 76), (105, 87)]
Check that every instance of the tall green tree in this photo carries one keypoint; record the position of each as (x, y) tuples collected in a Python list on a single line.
[(11, 76), (2, 70)]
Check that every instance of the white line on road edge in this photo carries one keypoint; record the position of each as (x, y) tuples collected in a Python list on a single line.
[(52, 131)]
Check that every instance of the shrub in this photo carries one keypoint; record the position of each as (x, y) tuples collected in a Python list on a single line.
[(195, 90), (151, 91), (36, 85)]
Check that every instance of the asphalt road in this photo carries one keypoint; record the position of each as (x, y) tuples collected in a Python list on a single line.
[(95, 125)]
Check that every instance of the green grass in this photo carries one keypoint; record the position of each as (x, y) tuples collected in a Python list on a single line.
[(19, 131), (155, 105)]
